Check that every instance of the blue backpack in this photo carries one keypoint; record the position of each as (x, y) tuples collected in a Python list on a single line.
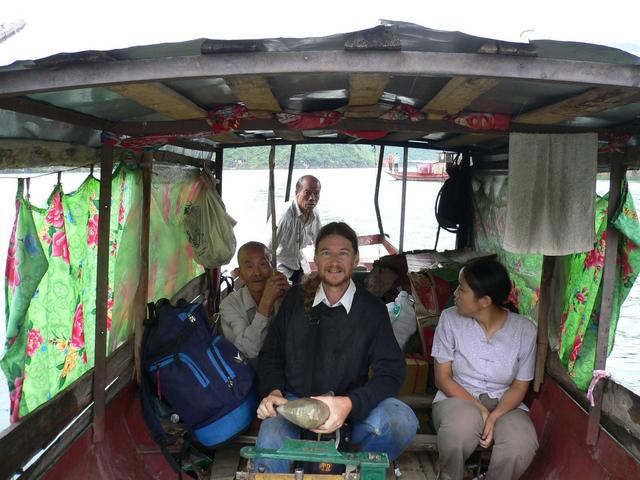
[(199, 373)]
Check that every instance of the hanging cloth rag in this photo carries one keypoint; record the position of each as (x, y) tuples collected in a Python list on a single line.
[(552, 191)]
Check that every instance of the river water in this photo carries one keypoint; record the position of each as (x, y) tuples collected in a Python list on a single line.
[(347, 195)]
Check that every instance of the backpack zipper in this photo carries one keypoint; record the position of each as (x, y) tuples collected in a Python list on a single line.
[(199, 374), (219, 364), (189, 314), (231, 372)]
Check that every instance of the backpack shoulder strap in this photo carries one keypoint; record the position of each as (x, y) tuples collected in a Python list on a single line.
[(149, 414), (160, 436), (152, 316)]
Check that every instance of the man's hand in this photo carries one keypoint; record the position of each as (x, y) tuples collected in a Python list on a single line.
[(267, 407), (275, 287), (339, 410)]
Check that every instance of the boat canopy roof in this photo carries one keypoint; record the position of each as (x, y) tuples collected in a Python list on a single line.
[(397, 84)]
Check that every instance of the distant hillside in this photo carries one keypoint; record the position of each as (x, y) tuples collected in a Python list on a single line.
[(317, 156)]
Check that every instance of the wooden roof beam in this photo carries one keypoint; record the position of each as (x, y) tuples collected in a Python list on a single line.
[(28, 106), (367, 111), (227, 137), (457, 94), (27, 81), (45, 110), (196, 125), (588, 103), (160, 98), (328, 141), (404, 136), (469, 139), (254, 92), (189, 126), (290, 135), (366, 88)]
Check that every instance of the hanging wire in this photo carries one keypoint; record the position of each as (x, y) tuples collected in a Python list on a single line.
[(28, 184), (272, 207), (52, 173)]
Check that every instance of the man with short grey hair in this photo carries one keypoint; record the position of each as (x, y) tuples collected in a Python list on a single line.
[(297, 227)]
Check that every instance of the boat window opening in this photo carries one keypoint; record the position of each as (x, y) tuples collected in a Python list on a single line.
[(74, 183), (347, 194)]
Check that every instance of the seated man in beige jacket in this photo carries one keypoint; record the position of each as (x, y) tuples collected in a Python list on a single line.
[(246, 312)]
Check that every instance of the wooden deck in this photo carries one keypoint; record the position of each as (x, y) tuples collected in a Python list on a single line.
[(416, 466)]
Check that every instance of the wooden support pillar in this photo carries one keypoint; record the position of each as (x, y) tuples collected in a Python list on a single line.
[(213, 305), (102, 287), (606, 307), (214, 273), (548, 264), (142, 294), (292, 158), (218, 169), (272, 208), (403, 204), (376, 195)]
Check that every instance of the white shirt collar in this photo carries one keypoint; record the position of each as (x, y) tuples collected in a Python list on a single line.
[(345, 301), (299, 213), (247, 300)]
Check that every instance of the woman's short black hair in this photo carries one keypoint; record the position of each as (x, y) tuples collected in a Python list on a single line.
[(488, 277), (338, 228)]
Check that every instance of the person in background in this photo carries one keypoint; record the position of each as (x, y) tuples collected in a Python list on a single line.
[(484, 360), (245, 313), (297, 227), (326, 337)]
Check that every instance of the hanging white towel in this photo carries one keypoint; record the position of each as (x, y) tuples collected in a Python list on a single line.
[(551, 193)]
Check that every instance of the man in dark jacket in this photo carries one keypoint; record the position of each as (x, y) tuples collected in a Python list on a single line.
[(326, 337)]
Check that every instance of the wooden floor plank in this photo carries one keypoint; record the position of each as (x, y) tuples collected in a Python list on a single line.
[(423, 443), (429, 462), (410, 467), (417, 400), (225, 463)]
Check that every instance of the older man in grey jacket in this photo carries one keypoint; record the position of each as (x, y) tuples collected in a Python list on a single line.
[(298, 227)]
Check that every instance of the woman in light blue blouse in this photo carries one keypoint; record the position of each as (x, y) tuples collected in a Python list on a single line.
[(484, 355)]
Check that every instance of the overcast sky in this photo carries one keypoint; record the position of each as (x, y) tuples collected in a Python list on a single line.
[(75, 25)]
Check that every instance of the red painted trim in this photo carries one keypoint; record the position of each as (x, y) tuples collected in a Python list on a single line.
[(561, 424), (127, 451), (390, 248), (374, 239)]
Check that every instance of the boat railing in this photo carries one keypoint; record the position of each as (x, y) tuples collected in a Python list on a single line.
[(69, 412)]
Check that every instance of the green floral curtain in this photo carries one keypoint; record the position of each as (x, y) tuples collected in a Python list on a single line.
[(171, 260), (490, 206), (51, 278), (26, 265), (60, 323), (581, 312)]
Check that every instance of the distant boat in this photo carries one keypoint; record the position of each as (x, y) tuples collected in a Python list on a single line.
[(424, 172), (10, 28)]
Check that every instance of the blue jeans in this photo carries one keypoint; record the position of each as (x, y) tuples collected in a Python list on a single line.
[(389, 428)]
